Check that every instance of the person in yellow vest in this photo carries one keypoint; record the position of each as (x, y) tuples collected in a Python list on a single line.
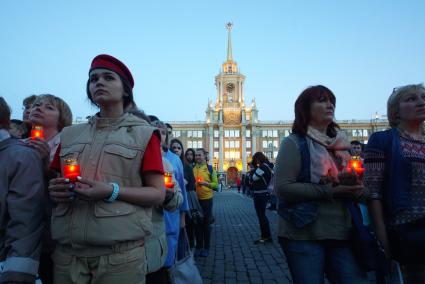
[(206, 182), (104, 214)]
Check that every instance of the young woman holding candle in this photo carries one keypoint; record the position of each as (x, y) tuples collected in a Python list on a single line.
[(48, 115), (100, 222), (314, 223), (395, 175)]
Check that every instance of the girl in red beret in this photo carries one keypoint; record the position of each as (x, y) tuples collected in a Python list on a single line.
[(103, 215)]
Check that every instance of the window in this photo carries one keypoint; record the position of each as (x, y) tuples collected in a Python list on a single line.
[(226, 155), (226, 144), (189, 144), (216, 144), (275, 145), (264, 133), (226, 133), (248, 133), (264, 144), (365, 133), (287, 132), (199, 133), (236, 133), (176, 133), (215, 155), (269, 155), (275, 154), (189, 133), (237, 155), (248, 153), (200, 144), (248, 144), (216, 134), (232, 133), (237, 145), (269, 133), (275, 133), (232, 144)]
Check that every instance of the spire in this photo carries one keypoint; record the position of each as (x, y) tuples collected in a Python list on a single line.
[(229, 26)]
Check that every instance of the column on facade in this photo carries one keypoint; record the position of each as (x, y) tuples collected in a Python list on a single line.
[(221, 90), (240, 91), (243, 148), (220, 153), (254, 140), (211, 142)]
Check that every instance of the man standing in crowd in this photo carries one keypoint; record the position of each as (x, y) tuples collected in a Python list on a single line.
[(206, 182), (356, 148), (21, 206)]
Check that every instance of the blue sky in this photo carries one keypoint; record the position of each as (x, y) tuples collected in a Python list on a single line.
[(359, 49)]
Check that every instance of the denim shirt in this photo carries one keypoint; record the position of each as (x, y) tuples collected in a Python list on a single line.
[(398, 171), (302, 213)]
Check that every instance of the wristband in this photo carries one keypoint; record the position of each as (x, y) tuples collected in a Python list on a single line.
[(115, 192)]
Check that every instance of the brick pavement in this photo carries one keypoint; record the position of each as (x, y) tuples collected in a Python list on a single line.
[(233, 256)]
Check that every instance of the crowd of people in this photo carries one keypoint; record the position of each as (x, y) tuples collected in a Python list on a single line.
[(99, 202), (117, 199)]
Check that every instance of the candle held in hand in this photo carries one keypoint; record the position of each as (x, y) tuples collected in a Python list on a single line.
[(71, 170), (168, 180), (356, 164), (37, 132)]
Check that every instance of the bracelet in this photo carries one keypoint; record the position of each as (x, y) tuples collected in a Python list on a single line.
[(115, 192)]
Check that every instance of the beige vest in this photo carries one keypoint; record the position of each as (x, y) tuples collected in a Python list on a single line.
[(156, 243), (108, 150)]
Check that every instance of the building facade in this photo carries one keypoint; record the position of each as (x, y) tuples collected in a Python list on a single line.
[(232, 132)]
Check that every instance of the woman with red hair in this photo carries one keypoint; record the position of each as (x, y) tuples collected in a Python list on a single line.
[(314, 223)]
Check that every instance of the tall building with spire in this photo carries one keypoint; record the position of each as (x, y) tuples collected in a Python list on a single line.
[(232, 132)]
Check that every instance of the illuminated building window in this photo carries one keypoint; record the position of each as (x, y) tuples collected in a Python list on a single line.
[(248, 144), (176, 133), (226, 144), (248, 133), (216, 144), (215, 155), (216, 134)]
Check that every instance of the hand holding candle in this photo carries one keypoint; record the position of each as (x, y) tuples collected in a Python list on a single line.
[(37, 132), (71, 170)]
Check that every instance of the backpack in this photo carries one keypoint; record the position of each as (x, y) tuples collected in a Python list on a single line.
[(270, 185)]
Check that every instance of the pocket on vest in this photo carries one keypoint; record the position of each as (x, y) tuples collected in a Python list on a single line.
[(118, 160), (72, 152)]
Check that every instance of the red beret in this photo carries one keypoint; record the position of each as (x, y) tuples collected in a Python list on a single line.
[(111, 63)]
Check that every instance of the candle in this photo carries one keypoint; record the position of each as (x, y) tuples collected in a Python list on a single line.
[(37, 132), (71, 170), (168, 180), (356, 164)]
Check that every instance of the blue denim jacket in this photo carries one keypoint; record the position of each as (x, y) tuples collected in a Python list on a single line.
[(398, 170), (302, 213)]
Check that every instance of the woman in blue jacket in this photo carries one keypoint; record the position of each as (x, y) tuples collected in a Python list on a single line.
[(395, 176)]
